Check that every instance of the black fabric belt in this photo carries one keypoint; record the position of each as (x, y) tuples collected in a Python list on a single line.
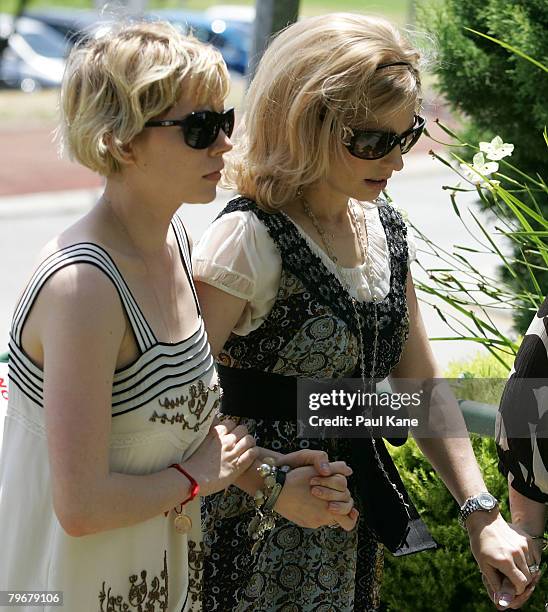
[(273, 397)]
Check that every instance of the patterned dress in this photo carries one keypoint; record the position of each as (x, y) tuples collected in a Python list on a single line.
[(522, 420), (311, 332), (162, 408)]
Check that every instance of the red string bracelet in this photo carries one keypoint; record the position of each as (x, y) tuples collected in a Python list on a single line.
[(194, 486)]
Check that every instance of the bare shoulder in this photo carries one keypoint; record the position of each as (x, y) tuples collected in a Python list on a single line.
[(77, 306), (82, 231), (81, 291)]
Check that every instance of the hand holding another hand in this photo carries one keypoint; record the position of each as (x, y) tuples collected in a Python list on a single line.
[(505, 556), (315, 493), (506, 598)]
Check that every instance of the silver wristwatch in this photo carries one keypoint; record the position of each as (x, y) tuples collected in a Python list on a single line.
[(484, 501)]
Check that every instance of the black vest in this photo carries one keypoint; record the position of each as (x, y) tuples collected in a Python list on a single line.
[(311, 332)]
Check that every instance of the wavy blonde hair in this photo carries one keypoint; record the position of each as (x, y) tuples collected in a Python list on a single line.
[(316, 79), (129, 74)]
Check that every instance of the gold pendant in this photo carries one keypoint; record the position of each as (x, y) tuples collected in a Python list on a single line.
[(253, 525), (182, 523)]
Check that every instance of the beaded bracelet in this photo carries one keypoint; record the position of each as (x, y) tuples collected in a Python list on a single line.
[(265, 499)]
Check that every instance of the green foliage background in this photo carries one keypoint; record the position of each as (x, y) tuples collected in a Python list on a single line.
[(498, 92)]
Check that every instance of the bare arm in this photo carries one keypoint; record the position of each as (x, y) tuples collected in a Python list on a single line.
[(498, 550), (453, 458), (81, 325), (221, 311), (527, 514)]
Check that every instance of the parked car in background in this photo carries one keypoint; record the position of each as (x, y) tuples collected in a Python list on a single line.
[(239, 13), (229, 28), (71, 24), (232, 38), (34, 57)]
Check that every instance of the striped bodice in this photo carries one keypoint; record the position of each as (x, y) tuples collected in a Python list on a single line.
[(163, 405), (172, 385)]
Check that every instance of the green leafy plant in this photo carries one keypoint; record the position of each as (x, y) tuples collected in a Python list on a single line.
[(492, 70), (469, 295), (447, 579)]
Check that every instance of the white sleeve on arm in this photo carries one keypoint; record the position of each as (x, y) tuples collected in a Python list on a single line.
[(237, 255)]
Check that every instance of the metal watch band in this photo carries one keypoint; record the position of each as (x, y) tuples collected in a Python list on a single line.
[(484, 502)]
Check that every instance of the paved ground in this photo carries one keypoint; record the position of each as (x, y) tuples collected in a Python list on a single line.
[(29, 163)]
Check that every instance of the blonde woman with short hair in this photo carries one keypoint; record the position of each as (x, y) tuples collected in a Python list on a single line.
[(306, 275), (110, 436)]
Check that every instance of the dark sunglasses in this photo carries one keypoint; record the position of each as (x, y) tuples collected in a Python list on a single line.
[(200, 129), (376, 144)]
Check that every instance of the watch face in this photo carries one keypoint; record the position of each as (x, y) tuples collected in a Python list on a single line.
[(486, 501)]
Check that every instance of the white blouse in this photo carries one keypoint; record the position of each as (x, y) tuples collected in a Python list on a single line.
[(236, 254)]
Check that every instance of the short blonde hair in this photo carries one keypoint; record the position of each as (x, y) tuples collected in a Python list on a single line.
[(318, 77), (133, 72)]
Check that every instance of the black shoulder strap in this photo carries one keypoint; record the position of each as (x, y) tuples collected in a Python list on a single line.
[(92, 254)]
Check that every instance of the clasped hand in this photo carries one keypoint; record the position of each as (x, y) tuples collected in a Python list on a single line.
[(505, 556), (316, 492)]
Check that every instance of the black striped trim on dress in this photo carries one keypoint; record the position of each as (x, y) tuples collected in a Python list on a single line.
[(185, 361), (163, 386), (17, 376), (128, 372), (184, 249), (176, 371), (91, 254), (149, 367)]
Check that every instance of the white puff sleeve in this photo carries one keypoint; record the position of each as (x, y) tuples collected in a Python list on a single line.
[(237, 255)]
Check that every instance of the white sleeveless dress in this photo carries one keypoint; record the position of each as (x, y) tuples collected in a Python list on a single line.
[(162, 408)]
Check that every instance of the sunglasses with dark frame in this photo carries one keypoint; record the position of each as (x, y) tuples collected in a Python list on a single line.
[(375, 144), (201, 128)]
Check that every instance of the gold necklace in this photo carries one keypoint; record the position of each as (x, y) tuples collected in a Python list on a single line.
[(112, 212), (354, 301), (329, 250)]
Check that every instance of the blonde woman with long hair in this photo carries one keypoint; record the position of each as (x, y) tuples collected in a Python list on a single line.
[(306, 275)]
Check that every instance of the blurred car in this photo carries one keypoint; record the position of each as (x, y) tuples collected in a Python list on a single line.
[(232, 12), (226, 28), (34, 57), (232, 38), (71, 24)]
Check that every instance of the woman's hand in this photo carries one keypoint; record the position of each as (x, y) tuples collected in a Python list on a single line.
[(506, 597), (327, 503), (226, 452), (503, 555)]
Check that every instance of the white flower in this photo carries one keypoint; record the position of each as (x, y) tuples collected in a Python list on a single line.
[(496, 149), (479, 169), (483, 167)]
